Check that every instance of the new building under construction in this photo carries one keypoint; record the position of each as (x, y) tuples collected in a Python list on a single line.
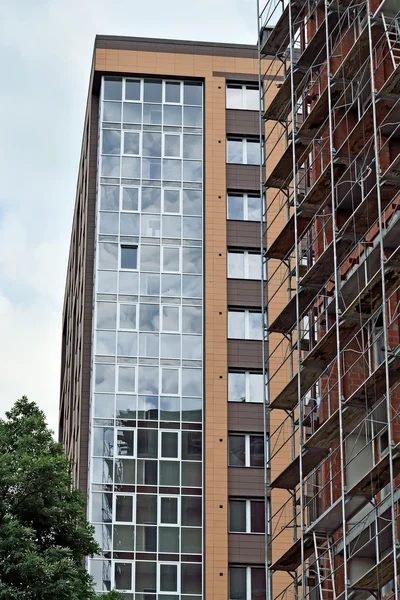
[(331, 239)]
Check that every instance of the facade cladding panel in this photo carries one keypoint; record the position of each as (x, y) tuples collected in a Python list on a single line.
[(151, 386)]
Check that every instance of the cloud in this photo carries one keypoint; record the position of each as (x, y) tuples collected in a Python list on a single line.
[(45, 57)]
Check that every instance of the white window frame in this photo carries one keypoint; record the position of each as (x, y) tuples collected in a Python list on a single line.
[(164, 101), (170, 368), (244, 141), (164, 329), (246, 270), (243, 87), (174, 133), (247, 448), (129, 79), (248, 502), (178, 578), (247, 386), (246, 312), (165, 212), (139, 133), (179, 248), (120, 561), (125, 244), (119, 328), (135, 441), (245, 199), (168, 458), (133, 496), (124, 366), (168, 496), (121, 207), (248, 578)]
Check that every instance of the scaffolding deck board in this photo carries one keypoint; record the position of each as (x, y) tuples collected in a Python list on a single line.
[(282, 173), (288, 397), (379, 476), (353, 410), (322, 269), (280, 106), (315, 52), (281, 30), (326, 349), (331, 520), (284, 242), (291, 559), (358, 53), (355, 315), (319, 114), (319, 195), (285, 321), (378, 576), (391, 87), (328, 433), (289, 478)]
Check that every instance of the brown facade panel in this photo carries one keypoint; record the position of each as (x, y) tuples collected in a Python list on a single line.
[(245, 416), (246, 548), (242, 122), (243, 234), (245, 354), (245, 482), (243, 177), (175, 46), (244, 292)]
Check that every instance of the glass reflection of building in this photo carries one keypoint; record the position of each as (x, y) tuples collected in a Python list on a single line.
[(146, 421)]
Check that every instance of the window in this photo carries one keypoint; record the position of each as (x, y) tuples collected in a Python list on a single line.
[(246, 516), (245, 450), (243, 96), (245, 325), (245, 386), (244, 151), (246, 583), (128, 257), (243, 207), (244, 265)]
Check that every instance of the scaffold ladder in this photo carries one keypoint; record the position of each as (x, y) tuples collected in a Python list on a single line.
[(392, 31), (324, 567)]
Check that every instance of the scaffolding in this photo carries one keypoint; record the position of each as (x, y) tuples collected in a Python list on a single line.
[(331, 239)]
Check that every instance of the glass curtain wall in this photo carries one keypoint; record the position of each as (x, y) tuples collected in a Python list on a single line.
[(145, 499)]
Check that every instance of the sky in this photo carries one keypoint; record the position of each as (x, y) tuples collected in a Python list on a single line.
[(45, 56)]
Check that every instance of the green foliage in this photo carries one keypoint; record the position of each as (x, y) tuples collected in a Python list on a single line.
[(44, 534)]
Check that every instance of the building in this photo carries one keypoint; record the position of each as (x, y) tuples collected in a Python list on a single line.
[(333, 234), (162, 356)]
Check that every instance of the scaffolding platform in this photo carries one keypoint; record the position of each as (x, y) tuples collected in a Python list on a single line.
[(291, 559), (280, 32), (331, 520), (288, 398), (354, 409), (280, 106), (391, 88), (376, 577), (354, 317), (289, 478), (279, 178), (359, 52), (284, 242), (285, 321), (379, 476), (320, 193)]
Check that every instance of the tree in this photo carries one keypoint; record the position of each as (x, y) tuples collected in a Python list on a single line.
[(44, 533)]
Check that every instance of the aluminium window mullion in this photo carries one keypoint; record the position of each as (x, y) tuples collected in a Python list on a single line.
[(248, 583), (247, 450), (248, 516)]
